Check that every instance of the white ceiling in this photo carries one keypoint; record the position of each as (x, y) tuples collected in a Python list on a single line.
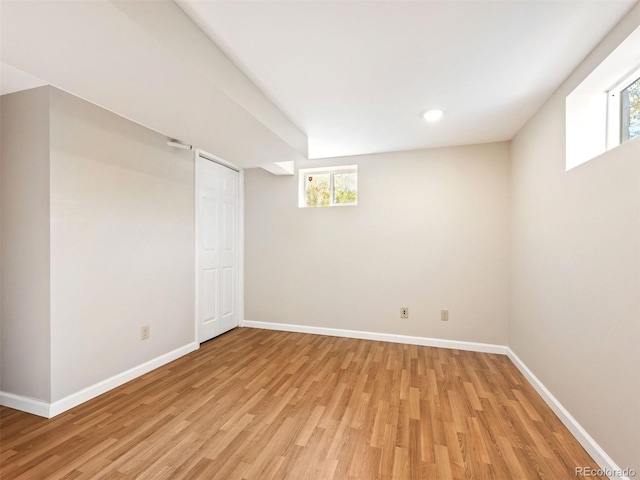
[(356, 75), (149, 63)]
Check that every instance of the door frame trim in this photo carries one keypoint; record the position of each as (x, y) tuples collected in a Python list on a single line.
[(240, 298), (216, 159)]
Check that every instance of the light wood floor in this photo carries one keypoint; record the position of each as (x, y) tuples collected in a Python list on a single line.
[(257, 404)]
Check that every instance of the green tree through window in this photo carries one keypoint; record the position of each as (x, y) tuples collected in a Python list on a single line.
[(630, 98), (344, 190), (318, 191)]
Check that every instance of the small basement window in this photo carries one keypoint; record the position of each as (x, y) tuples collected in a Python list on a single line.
[(603, 111), (328, 187), (630, 106), (623, 120)]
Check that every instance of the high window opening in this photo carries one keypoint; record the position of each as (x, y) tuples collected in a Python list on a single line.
[(328, 187), (603, 111), (623, 110), (630, 111)]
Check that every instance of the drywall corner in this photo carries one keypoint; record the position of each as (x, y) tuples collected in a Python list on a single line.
[(25, 255)]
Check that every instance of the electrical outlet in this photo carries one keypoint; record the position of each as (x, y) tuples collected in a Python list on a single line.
[(144, 332), (404, 312), (444, 315)]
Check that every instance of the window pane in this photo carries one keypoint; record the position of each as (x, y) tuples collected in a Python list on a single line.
[(345, 188), (316, 188), (630, 98)]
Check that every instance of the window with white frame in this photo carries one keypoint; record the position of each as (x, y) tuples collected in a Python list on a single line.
[(328, 186), (623, 121), (603, 111), (630, 106)]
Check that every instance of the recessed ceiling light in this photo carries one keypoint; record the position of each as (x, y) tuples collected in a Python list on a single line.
[(432, 115)]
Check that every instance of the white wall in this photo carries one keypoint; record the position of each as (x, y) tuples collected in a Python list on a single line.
[(430, 232), (122, 244), (575, 283), (25, 305), (97, 240)]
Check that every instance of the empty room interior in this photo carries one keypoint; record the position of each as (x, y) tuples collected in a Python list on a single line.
[(320, 239)]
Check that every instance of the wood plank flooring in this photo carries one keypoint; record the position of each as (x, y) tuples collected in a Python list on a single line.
[(258, 404)]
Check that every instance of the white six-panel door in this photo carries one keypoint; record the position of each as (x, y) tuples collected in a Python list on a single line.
[(217, 248)]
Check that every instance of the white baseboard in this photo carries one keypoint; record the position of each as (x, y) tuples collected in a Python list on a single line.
[(49, 410), (99, 388), (603, 460), (382, 337), (25, 404)]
